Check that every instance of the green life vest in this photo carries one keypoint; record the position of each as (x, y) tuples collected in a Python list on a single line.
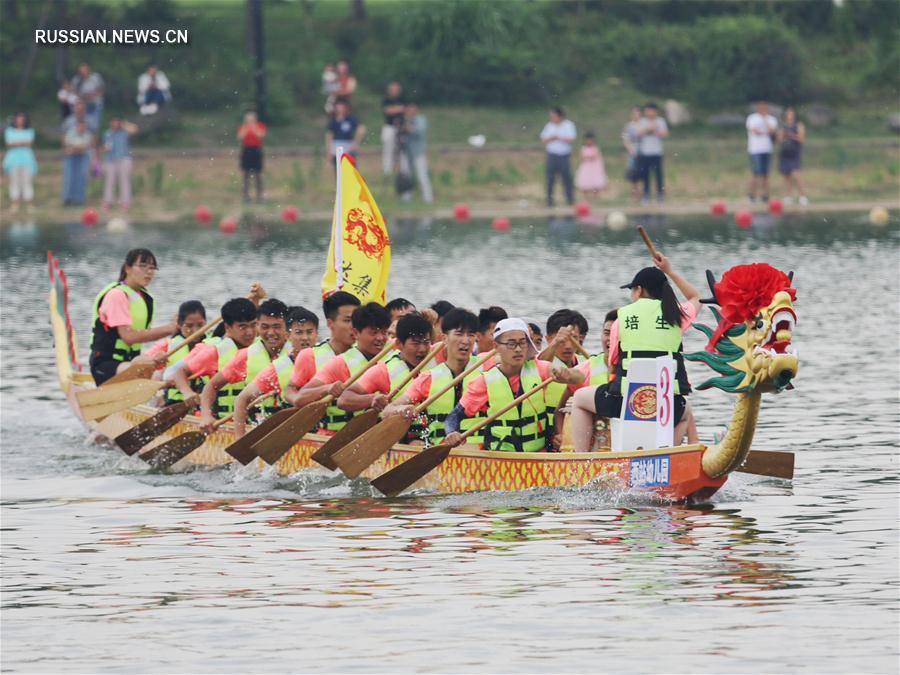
[(173, 394), (437, 412), (397, 370), (643, 333), (522, 428), (599, 372), (106, 343), (284, 366), (257, 360), (322, 353), (335, 418), (229, 392)]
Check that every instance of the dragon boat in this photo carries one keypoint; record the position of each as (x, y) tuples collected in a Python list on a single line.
[(750, 350)]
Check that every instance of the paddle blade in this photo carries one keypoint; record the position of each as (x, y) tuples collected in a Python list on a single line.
[(242, 449), (121, 396), (166, 454), (136, 371), (356, 426), (393, 482), (769, 463), (138, 436), (280, 440), (356, 456)]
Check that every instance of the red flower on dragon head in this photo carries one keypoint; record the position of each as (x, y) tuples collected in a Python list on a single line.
[(743, 291)]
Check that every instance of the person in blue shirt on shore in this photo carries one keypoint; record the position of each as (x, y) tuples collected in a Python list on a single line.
[(117, 162)]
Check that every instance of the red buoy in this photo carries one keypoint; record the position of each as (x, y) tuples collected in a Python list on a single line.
[(718, 207), (89, 217), (500, 223), (582, 209), (461, 211), (228, 225), (202, 214), (289, 214), (743, 218), (775, 205)]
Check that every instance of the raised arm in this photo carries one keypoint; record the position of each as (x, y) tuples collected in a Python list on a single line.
[(687, 289)]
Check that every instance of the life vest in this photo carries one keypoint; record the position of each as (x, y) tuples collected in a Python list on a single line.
[(173, 394), (644, 334), (225, 397), (335, 418), (437, 412), (522, 428), (554, 391), (257, 360), (284, 366), (397, 370), (599, 373), (106, 343)]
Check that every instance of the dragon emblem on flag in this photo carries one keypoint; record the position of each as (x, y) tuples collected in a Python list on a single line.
[(364, 233)]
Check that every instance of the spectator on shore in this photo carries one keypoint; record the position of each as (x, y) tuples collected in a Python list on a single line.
[(19, 161), (90, 87), (251, 134), (413, 158), (67, 99), (557, 136), (791, 137), (590, 177), (632, 144), (154, 91), (393, 106), (78, 143), (346, 82), (117, 162), (344, 130), (79, 114), (651, 130), (330, 87), (761, 131)]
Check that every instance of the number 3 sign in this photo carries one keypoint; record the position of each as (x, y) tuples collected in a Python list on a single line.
[(665, 401)]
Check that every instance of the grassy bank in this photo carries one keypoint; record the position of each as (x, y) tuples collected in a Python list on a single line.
[(169, 183)]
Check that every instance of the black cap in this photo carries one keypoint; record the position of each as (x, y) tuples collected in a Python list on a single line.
[(651, 278)]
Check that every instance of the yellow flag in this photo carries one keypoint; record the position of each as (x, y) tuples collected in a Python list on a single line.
[(359, 255)]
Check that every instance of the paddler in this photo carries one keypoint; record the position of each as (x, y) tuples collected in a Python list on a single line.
[(651, 325), (371, 390), (487, 321), (122, 314), (338, 309), (303, 331), (191, 318), (596, 372), (370, 323), (459, 327), (238, 330), (565, 327), (246, 363), (524, 428)]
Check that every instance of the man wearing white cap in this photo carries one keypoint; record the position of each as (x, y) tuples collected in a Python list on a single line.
[(524, 428)]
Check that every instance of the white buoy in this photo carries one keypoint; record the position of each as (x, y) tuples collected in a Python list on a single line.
[(117, 225), (477, 141), (879, 216), (616, 220)]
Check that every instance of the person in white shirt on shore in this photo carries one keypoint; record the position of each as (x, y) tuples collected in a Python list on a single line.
[(761, 130), (557, 137)]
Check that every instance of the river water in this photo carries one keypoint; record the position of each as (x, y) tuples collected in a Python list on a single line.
[(108, 567)]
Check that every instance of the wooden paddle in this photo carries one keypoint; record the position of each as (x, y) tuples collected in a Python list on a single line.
[(139, 435), (354, 457), (143, 370), (364, 421), (242, 449), (166, 454), (647, 242), (395, 481), (769, 463), (96, 404), (272, 446)]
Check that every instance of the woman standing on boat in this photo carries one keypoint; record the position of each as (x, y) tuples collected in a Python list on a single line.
[(122, 314), (651, 326)]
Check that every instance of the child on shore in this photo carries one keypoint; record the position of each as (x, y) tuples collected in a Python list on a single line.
[(591, 175)]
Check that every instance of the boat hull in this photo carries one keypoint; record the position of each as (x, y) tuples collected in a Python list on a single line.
[(671, 473)]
